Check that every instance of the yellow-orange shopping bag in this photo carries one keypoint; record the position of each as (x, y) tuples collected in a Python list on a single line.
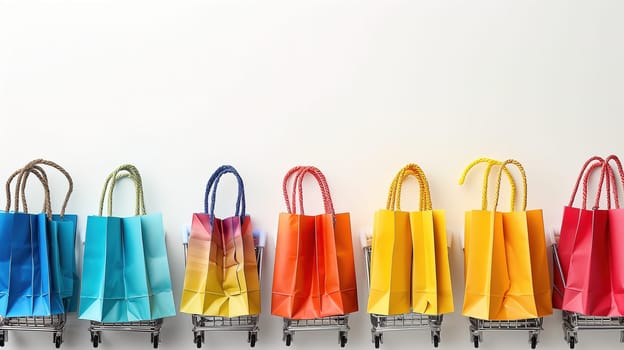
[(506, 265)]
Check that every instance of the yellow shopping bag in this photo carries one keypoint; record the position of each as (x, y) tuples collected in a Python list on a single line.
[(506, 267), (391, 254), (432, 293), (416, 239)]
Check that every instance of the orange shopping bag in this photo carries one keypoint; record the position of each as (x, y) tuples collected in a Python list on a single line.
[(314, 274)]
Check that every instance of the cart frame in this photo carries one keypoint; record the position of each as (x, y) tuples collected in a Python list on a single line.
[(402, 322), (150, 326), (53, 324)]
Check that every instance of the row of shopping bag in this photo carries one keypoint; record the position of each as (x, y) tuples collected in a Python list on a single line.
[(506, 269), (126, 276)]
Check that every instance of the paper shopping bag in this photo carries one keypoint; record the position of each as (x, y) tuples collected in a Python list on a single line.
[(314, 272), (125, 267), (584, 244), (27, 285), (221, 276)]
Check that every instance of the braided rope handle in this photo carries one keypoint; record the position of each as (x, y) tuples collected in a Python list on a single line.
[(524, 182), (240, 201), (299, 173), (8, 188), (285, 193), (614, 158), (70, 182), (21, 183), (580, 177), (123, 171), (610, 183), (490, 163), (222, 170), (394, 193), (20, 186), (324, 187)]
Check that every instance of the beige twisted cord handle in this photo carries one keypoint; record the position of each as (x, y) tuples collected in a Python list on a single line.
[(43, 178), (394, 193), (130, 171), (54, 165), (8, 188)]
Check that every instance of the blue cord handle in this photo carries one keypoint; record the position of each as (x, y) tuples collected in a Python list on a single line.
[(211, 192)]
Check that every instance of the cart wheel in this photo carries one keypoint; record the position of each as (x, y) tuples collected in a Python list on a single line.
[(58, 340), (95, 338), (342, 336), (377, 341), (155, 340), (288, 339), (475, 341), (197, 340), (533, 341), (2, 338), (436, 340), (572, 342), (252, 339)]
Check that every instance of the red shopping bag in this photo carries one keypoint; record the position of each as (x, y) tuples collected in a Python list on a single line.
[(616, 242), (567, 235), (584, 238)]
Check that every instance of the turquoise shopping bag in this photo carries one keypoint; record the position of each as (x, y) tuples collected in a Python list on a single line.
[(125, 270)]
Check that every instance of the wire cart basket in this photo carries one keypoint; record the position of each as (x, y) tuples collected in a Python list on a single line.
[(331, 323), (53, 324), (403, 322), (249, 324), (574, 322), (478, 326), (152, 327)]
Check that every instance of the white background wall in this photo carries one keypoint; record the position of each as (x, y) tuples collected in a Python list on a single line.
[(357, 88)]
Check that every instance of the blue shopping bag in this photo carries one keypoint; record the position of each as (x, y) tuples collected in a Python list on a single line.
[(26, 280), (62, 237), (125, 267)]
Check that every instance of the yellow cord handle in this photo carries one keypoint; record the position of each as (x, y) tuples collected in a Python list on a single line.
[(524, 182), (490, 163), (394, 194)]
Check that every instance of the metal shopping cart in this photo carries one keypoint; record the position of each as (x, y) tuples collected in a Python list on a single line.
[(574, 322), (403, 322), (249, 324), (152, 327), (532, 325), (53, 324), (331, 323)]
